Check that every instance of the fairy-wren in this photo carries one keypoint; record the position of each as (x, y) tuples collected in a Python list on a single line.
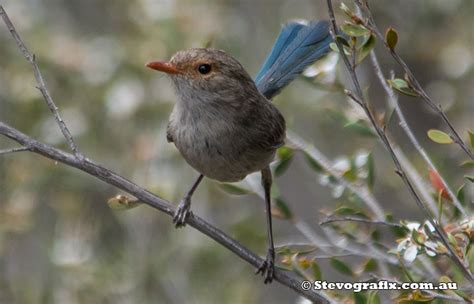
[(223, 124)]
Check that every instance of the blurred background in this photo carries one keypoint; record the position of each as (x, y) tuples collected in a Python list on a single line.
[(59, 240)]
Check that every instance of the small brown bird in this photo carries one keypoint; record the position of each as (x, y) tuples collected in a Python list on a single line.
[(226, 128), (221, 124)]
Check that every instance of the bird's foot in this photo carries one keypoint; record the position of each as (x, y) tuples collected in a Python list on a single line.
[(182, 212), (267, 268)]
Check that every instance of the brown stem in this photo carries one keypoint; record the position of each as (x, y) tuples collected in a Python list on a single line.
[(41, 84), (414, 83), (359, 99)]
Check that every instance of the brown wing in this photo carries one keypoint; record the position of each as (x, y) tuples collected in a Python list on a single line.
[(265, 126)]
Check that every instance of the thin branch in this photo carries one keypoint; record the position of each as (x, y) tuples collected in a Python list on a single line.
[(417, 180), (359, 99), (13, 150), (332, 219), (414, 82), (41, 84), (109, 177), (330, 245), (406, 128)]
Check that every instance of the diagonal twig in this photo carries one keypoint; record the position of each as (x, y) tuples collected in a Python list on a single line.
[(332, 219), (41, 84), (13, 150), (158, 203), (406, 128), (359, 99), (371, 25)]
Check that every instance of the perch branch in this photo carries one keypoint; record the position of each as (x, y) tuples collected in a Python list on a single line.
[(156, 202), (77, 160)]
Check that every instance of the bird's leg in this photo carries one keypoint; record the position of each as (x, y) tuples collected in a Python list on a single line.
[(179, 217), (267, 268)]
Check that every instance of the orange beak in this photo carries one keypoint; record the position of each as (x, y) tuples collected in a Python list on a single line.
[(163, 66)]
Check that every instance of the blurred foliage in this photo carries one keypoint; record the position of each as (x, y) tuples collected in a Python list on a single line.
[(61, 243)]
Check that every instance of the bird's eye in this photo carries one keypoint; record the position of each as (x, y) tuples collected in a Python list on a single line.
[(204, 68)]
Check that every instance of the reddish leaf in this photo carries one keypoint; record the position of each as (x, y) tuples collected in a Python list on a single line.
[(438, 184)]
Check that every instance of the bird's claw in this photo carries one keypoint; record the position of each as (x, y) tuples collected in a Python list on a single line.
[(182, 212), (267, 268)]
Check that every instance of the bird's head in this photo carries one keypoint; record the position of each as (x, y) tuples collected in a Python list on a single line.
[(206, 74)]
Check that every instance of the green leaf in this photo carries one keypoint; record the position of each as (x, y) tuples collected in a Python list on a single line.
[(341, 267), (452, 239), (375, 235), (233, 189), (313, 163), (373, 297), (346, 10), (316, 270), (122, 202), (351, 174), (359, 297), (471, 138), (460, 194), (402, 86), (469, 178), (334, 47), (344, 211), (342, 40), (467, 164), (296, 266), (418, 237), (366, 48), (360, 127), (283, 208), (470, 258), (439, 137), (354, 30), (370, 265), (285, 154), (391, 38), (291, 249)]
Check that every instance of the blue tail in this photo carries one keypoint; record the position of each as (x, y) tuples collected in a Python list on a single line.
[(297, 46)]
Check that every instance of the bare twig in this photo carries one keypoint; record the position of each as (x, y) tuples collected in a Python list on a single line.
[(417, 180), (332, 219), (406, 128), (359, 99), (156, 202), (41, 84), (13, 150), (414, 82)]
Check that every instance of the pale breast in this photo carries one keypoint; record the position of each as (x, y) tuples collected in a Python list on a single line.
[(221, 149)]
